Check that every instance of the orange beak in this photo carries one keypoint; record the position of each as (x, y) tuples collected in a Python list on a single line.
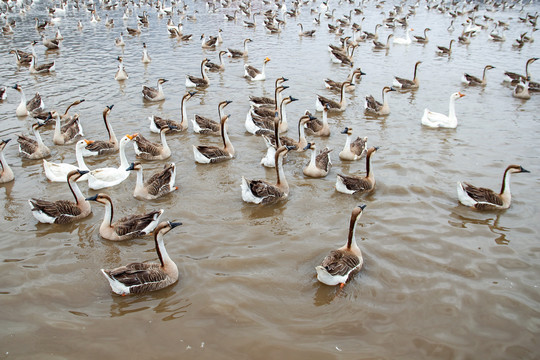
[(130, 137), (461, 95), (88, 142)]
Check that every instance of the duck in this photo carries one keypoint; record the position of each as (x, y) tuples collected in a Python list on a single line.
[(521, 91), (33, 105), (147, 150), (121, 73), (68, 133), (406, 40), (153, 94), (236, 54), (514, 78), (258, 125), (435, 120), (42, 68), (473, 80), (333, 106), (373, 106), (336, 86), (406, 83), (358, 184), (215, 67), (128, 227), (101, 147), (107, 177), (159, 184), (119, 41), (342, 264), (156, 123), (6, 175), (21, 57), (146, 59), (63, 211), (57, 172), (308, 33), (257, 101), (319, 164), (441, 50), (422, 39), (263, 192), (33, 149), (138, 278), (202, 82), (213, 154), (317, 127), (254, 74), (210, 43), (380, 46), (204, 125), (353, 150), (486, 199)]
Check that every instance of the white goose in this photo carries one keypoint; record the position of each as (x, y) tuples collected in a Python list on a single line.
[(435, 120), (406, 40), (57, 172), (6, 174), (121, 73)]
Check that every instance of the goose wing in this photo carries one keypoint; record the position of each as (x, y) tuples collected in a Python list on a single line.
[(213, 67), (251, 71), (27, 145), (44, 67), (340, 262), (483, 195), (139, 277), (160, 182), (145, 146), (34, 103), (331, 84), (150, 92), (358, 146), (62, 210), (173, 125), (314, 125), (212, 152), (355, 183), (322, 160), (261, 100), (236, 53), (472, 79), (404, 82), (331, 103), (197, 81), (372, 103), (206, 123), (262, 189), (134, 224), (72, 128), (264, 111), (101, 147)]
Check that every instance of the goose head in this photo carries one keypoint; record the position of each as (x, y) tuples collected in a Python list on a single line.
[(134, 166), (166, 226), (4, 143), (310, 145), (162, 81), (457, 95), (347, 131), (76, 174), (514, 169), (100, 198)]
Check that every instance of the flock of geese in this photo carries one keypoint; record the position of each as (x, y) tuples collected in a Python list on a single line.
[(266, 118)]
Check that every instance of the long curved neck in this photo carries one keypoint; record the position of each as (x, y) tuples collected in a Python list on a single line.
[(38, 136), (385, 101), (4, 164), (123, 159), (183, 112), (246, 42), (227, 145), (280, 174), (112, 136), (347, 143), (527, 70), (140, 178), (161, 251), (282, 115), (263, 68), (342, 99), (312, 160), (203, 72), (23, 98), (351, 239), (505, 187), (108, 216), (164, 139), (57, 127), (452, 108), (325, 117), (80, 159), (77, 194), (415, 70), (369, 171)]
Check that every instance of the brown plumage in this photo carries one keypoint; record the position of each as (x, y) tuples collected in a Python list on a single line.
[(145, 149), (358, 184), (203, 81), (33, 149), (100, 147), (204, 125), (159, 184)]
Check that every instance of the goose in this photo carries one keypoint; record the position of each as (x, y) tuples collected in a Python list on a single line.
[(175, 30), (406, 83), (521, 91), (219, 40), (319, 164), (202, 82), (307, 33), (159, 184), (230, 17), (380, 46), (254, 74), (101, 147), (344, 58), (21, 57), (235, 54), (445, 50), (79, 25), (121, 73), (406, 40), (50, 44), (298, 145), (204, 125), (353, 150), (373, 106), (473, 80), (257, 125), (268, 110), (63, 211), (267, 101), (333, 105), (6, 175), (129, 227), (357, 184), (215, 67), (67, 133), (156, 123), (40, 27), (342, 264), (42, 68), (435, 120), (422, 39), (57, 172), (33, 149), (374, 35), (153, 94), (317, 127), (119, 41), (137, 278), (133, 31), (145, 57), (210, 43), (487, 199), (263, 192), (514, 78), (336, 86), (147, 150), (214, 154), (27, 107), (107, 177), (3, 93), (498, 37)]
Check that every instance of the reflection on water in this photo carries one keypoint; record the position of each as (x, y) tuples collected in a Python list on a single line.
[(492, 224)]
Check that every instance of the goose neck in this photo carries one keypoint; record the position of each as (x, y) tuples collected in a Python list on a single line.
[(280, 173), (80, 159), (110, 131), (227, 145), (123, 159), (351, 239)]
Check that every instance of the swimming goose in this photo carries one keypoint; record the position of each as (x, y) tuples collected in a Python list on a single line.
[(210, 43), (202, 82), (120, 41), (433, 119), (307, 33), (63, 211), (423, 39), (334, 85), (319, 164), (156, 123), (445, 50), (153, 94), (373, 106), (257, 101), (128, 227), (514, 78), (487, 199), (42, 68), (263, 192), (159, 184), (107, 177), (51, 44), (342, 264), (3, 93), (133, 31), (353, 150), (358, 184), (137, 278), (268, 110), (215, 67), (374, 35), (257, 125), (521, 91), (298, 145), (379, 45), (213, 154), (31, 106), (406, 83), (204, 125), (406, 40), (239, 53), (33, 149), (40, 27), (333, 105), (6, 175), (21, 57), (344, 57), (101, 147), (57, 172), (147, 150), (317, 127), (67, 133), (121, 73), (254, 74), (473, 80)]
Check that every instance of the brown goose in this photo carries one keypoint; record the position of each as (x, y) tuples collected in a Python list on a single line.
[(473, 80), (269, 109), (235, 54), (381, 46), (266, 101), (128, 227), (336, 86), (154, 94), (67, 133), (373, 106), (515, 78), (100, 147), (487, 199), (202, 82), (255, 74), (333, 106), (204, 125), (63, 211), (342, 264), (213, 154), (317, 127), (21, 57), (423, 39), (210, 43), (298, 145), (319, 164), (156, 123), (51, 44), (353, 150), (357, 184), (215, 67), (159, 184), (145, 149), (34, 105), (6, 174), (41, 68), (445, 50), (137, 278), (33, 149), (258, 125), (307, 33), (406, 83)]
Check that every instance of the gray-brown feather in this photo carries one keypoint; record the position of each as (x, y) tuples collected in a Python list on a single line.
[(405, 83), (63, 211), (133, 225), (355, 183), (147, 148), (331, 103), (101, 147), (174, 126), (27, 145), (372, 103), (252, 72), (141, 277), (340, 262), (268, 192), (159, 183), (358, 146), (482, 194), (322, 160), (472, 79), (207, 125), (214, 153)]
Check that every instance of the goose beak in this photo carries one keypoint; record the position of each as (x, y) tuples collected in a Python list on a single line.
[(267, 59), (192, 93), (174, 224), (362, 206), (82, 172), (308, 146), (130, 137), (88, 142), (92, 198), (346, 130), (293, 99), (131, 167), (285, 79), (7, 140), (110, 107), (523, 170), (461, 95)]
